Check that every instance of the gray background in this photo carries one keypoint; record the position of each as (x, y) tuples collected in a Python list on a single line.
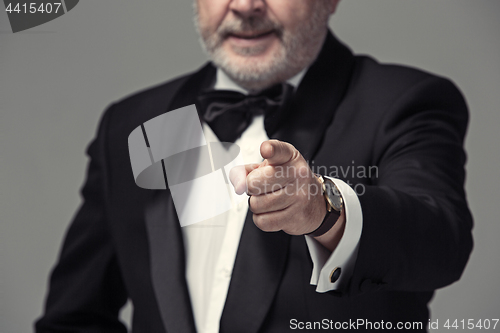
[(56, 79)]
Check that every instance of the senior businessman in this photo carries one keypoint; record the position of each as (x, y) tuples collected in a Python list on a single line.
[(382, 145)]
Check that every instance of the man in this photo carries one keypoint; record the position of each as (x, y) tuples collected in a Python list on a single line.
[(401, 232)]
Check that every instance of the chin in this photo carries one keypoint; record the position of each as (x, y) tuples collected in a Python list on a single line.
[(256, 65), (254, 72)]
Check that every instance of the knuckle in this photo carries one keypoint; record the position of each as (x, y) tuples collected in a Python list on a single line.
[(267, 172), (292, 149), (251, 205), (263, 222), (303, 171), (269, 202), (255, 204), (260, 222), (253, 184)]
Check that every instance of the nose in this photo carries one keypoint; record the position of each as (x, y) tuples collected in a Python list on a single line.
[(247, 8)]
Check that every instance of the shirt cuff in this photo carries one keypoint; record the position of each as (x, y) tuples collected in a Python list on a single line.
[(344, 256)]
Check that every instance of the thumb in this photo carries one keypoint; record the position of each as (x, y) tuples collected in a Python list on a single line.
[(277, 152)]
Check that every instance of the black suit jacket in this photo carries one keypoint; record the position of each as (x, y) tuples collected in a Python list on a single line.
[(349, 111)]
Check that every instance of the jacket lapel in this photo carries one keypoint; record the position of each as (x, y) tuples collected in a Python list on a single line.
[(168, 263), (262, 256), (256, 276), (166, 248), (317, 98)]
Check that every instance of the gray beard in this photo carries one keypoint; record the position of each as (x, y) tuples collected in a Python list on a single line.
[(298, 49)]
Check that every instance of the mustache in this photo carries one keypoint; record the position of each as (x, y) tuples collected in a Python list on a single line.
[(254, 25)]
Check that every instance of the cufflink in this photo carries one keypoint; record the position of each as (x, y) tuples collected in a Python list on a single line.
[(335, 274)]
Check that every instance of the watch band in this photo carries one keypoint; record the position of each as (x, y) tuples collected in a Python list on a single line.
[(328, 222)]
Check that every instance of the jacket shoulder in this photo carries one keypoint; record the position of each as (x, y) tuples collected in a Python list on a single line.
[(152, 94), (390, 80), (377, 87), (126, 113)]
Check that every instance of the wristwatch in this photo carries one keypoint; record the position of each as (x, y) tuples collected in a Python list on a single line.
[(334, 206)]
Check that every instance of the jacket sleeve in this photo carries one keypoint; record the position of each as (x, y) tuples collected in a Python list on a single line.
[(86, 290), (416, 223)]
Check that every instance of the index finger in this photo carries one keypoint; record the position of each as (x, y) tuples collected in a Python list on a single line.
[(238, 175)]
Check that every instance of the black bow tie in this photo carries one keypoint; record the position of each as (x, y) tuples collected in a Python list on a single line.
[(229, 113)]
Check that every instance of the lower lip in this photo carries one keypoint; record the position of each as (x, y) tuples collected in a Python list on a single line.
[(249, 42)]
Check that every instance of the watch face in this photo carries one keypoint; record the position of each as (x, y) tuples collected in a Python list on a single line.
[(333, 195)]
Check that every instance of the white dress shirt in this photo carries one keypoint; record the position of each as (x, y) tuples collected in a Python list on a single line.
[(211, 245)]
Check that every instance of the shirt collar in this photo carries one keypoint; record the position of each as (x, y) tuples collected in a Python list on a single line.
[(224, 82)]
